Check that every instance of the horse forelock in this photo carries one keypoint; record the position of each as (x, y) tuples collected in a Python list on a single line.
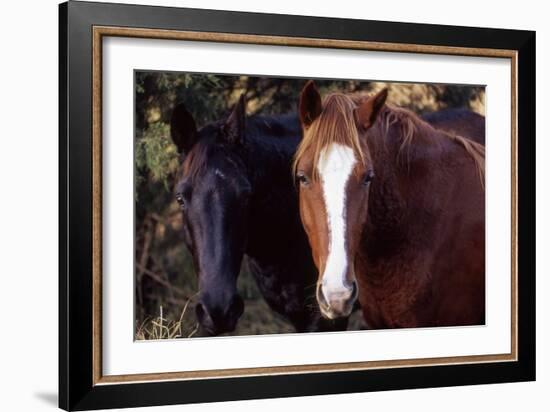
[(335, 125), (196, 161)]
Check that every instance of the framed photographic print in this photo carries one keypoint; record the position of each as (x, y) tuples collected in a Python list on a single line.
[(257, 205)]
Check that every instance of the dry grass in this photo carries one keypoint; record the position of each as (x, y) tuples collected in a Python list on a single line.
[(161, 327), (257, 319)]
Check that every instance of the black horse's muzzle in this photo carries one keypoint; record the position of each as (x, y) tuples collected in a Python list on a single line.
[(217, 319)]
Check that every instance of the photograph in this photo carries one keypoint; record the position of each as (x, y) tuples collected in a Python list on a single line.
[(272, 205)]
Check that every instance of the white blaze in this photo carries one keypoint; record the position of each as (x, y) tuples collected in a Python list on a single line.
[(335, 166)]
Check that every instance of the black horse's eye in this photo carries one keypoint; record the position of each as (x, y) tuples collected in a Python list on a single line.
[(302, 178), (180, 200), (368, 177)]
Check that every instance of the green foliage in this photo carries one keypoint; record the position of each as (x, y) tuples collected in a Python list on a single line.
[(156, 155)]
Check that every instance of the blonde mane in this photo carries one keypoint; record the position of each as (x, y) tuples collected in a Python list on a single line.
[(336, 124)]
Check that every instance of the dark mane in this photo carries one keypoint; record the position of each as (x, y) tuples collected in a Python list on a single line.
[(261, 130)]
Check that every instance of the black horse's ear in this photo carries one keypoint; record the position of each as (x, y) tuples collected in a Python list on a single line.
[(365, 114), (310, 106), (183, 129), (234, 127)]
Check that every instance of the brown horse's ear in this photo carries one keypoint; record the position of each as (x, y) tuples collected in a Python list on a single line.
[(234, 127), (183, 129), (365, 114), (310, 104)]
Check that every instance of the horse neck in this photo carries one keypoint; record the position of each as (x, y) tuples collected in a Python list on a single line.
[(403, 168), (268, 152), (274, 203), (268, 167)]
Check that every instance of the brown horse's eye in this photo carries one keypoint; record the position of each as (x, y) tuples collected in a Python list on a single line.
[(302, 178), (368, 177)]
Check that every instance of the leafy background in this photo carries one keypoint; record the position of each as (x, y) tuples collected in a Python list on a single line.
[(166, 284)]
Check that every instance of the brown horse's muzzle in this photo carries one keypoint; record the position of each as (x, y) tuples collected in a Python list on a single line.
[(336, 302)]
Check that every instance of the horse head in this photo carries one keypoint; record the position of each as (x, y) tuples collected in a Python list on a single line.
[(334, 170), (213, 191)]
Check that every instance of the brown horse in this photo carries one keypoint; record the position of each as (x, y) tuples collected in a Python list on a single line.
[(395, 213)]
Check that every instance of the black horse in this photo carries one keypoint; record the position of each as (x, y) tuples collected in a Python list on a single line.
[(238, 197)]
